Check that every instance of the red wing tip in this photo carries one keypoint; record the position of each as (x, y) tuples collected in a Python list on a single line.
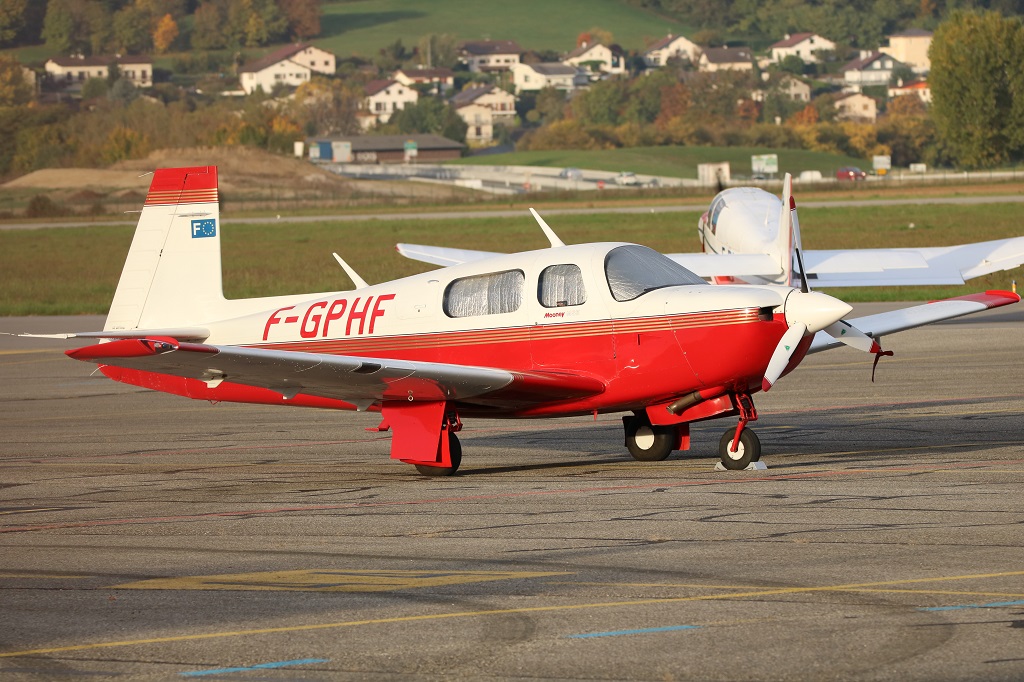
[(992, 298)]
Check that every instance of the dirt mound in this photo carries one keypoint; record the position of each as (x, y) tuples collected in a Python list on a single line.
[(96, 179)]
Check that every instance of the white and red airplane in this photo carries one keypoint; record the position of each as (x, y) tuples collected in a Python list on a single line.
[(567, 330), (746, 238)]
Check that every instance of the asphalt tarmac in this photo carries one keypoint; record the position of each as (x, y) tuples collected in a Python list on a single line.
[(145, 536)]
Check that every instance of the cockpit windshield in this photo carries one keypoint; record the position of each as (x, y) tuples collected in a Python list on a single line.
[(634, 270)]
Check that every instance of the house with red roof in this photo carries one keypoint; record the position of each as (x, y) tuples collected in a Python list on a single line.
[(382, 98), (806, 46)]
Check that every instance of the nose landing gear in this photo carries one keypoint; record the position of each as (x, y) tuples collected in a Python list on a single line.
[(740, 447)]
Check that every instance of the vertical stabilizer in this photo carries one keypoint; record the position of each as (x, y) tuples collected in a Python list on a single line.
[(172, 276), (787, 238)]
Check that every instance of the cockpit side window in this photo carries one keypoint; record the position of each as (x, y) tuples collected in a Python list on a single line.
[(634, 270), (716, 209), (490, 294), (561, 285)]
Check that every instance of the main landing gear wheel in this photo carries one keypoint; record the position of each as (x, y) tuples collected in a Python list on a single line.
[(747, 452), (648, 443), (456, 451)]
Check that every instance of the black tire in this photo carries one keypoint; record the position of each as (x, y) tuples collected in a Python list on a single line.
[(748, 452), (648, 443), (456, 450)]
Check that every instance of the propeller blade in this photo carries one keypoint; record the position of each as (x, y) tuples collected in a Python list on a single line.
[(783, 353), (852, 337), (814, 309)]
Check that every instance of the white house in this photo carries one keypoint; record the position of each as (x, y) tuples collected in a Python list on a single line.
[(481, 108), (382, 99), (789, 87), (605, 59), (76, 70), (552, 75), (490, 55), (671, 47), (802, 45), (726, 59), (856, 107), (290, 65), (911, 48), (441, 80), (872, 68), (919, 89)]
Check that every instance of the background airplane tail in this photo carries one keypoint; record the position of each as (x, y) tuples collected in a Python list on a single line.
[(788, 237), (172, 276)]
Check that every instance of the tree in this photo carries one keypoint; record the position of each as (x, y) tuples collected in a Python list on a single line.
[(438, 50), (12, 20), (13, 88), (976, 62), (208, 28), (303, 17), (165, 34), (66, 27), (327, 107), (430, 115), (132, 32)]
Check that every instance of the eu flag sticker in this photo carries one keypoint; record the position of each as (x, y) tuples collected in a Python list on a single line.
[(204, 228)]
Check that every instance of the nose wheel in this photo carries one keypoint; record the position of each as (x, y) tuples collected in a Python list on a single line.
[(748, 449)]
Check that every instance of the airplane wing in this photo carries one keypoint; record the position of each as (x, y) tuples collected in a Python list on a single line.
[(440, 255), (708, 265), (360, 381), (917, 316)]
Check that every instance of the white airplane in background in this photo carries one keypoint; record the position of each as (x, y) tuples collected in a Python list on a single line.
[(746, 237), (567, 330)]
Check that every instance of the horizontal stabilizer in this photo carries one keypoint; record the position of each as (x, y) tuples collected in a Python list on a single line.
[(180, 333), (440, 255)]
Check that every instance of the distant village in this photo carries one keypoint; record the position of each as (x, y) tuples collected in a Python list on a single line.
[(487, 87)]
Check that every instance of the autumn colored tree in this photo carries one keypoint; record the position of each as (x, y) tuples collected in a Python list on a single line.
[(165, 34), (325, 106), (675, 101), (303, 18), (14, 90), (807, 116)]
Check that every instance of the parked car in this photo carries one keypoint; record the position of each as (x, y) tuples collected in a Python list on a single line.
[(850, 173), (571, 174), (626, 178)]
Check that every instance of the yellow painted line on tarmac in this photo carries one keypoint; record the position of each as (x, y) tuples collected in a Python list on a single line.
[(495, 612), (330, 580)]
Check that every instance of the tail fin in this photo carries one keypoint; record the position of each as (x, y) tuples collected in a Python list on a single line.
[(172, 276)]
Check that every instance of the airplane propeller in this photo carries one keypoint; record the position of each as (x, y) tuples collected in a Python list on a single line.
[(807, 314), (840, 330)]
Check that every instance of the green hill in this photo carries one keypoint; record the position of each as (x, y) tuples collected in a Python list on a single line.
[(670, 161), (365, 26)]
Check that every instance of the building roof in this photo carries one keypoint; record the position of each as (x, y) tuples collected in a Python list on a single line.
[(793, 40), (278, 55), (391, 143), (584, 48), (472, 94), (373, 87), (438, 73), (486, 47), (663, 43), (101, 60), (863, 62), (553, 69), (728, 55)]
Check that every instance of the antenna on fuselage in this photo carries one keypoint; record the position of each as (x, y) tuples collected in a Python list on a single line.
[(548, 232), (356, 279)]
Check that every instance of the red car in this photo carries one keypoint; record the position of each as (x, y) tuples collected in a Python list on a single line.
[(850, 173)]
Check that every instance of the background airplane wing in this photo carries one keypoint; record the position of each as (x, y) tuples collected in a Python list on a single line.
[(710, 265), (917, 316), (356, 380), (440, 255), (905, 266)]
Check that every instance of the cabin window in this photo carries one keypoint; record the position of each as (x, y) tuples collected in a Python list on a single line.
[(634, 270), (491, 294), (560, 286), (716, 210)]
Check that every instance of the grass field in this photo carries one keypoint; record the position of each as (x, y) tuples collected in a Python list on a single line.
[(673, 161), (75, 271)]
